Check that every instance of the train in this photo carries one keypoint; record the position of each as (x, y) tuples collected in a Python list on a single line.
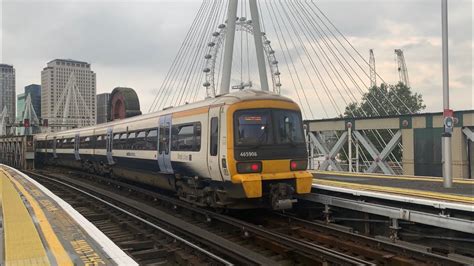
[(240, 150)]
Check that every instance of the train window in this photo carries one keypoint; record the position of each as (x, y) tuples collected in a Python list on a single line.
[(152, 133), (132, 135), (100, 142), (197, 136), (87, 139), (140, 143), (123, 141), (214, 136), (253, 128), (141, 134), (117, 136), (151, 140), (186, 137), (182, 138), (289, 127)]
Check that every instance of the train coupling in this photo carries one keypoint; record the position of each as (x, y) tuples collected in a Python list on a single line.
[(281, 196)]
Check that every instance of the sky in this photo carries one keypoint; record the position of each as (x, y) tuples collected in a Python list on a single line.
[(133, 43)]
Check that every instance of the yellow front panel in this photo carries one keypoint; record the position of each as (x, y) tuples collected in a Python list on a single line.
[(304, 182), (275, 166), (252, 184)]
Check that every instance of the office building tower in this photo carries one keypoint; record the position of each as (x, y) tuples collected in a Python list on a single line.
[(68, 94), (103, 107), (7, 91), (35, 91)]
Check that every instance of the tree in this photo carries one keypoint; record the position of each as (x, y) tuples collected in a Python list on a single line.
[(386, 100), (383, 101)]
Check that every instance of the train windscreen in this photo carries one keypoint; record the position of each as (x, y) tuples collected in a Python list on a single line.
[(258, 127)]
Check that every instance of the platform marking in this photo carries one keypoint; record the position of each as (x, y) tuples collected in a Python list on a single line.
[(410, 192), (412, 178), (58, 251), (89, 256), (116, 254), (22, 241)]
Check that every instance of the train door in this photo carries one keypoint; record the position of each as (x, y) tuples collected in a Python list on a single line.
[(108, 146), (164, 143), (55, 143), (213, 140), (76, 147)]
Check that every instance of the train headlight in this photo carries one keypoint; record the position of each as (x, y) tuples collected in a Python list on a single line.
[(249, 167), (298, 165)]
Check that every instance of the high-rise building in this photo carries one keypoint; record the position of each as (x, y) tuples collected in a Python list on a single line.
[(103, 107), (7, 90), (68, 94), (34, 90), (20, 106)]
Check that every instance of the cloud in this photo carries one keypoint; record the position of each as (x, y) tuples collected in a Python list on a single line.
[(133, 43)]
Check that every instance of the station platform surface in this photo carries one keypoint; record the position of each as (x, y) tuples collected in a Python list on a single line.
[(39, 228), (462, 191)]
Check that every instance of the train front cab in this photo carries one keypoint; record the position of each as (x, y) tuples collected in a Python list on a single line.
[(266, 151)]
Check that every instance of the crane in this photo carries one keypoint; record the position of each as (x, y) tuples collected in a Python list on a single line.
[(373, 73), (402, 68)]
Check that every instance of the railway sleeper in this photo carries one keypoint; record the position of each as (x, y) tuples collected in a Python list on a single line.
[(137, 244), (149, 254), (356, 248)]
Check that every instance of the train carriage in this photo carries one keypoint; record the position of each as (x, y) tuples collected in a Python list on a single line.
[(239, 150)]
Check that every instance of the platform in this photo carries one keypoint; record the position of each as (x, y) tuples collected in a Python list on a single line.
[(414, 186), (39, 228), (421, 200)]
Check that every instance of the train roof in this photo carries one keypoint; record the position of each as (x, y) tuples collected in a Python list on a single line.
[(230, 98)]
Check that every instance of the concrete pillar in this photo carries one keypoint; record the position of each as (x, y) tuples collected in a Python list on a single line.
[(408, 152), (459, 154)]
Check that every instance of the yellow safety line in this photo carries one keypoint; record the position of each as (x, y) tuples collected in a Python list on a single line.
[(23, 244), (401, 191), (58, 251), (404, 177)]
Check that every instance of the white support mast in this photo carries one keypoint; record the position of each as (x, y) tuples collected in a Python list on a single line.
[(229, 46), (30, 114), (257, 36), (447, 113)]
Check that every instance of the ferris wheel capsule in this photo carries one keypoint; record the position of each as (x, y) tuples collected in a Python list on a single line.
[(206, 70), (211, 44), (206, 84), (215, 34), (243, 19), (208, 56), (275, 62), (221, 26)]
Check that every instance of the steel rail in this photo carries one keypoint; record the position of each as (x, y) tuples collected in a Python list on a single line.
[(376, 243), (161, 229), (300, 247)]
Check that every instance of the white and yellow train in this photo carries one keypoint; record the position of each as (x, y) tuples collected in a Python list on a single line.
[(240, 150)]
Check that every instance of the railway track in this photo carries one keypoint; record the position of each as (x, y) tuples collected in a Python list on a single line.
[(273, 243), (145, 241)]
